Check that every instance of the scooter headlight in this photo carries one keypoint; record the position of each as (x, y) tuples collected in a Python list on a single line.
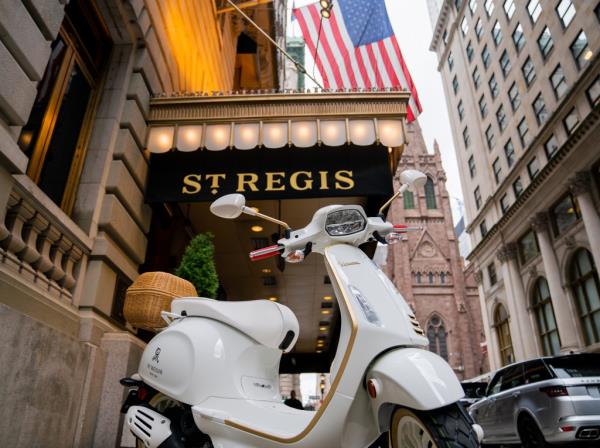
[(345, 222)]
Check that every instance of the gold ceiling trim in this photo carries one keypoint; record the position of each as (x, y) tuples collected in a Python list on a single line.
[(179, 109)]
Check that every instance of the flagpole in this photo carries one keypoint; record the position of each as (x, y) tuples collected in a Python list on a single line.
[(298, 65)]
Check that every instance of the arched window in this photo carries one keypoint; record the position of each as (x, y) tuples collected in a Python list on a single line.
[(418, 276), (585, 285), (430, 194), (409, 200), (436, 333), (430, 276), (442, 277), (544, 316), (504, 340)]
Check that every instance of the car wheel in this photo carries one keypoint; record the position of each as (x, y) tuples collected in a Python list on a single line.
[(530, 434)]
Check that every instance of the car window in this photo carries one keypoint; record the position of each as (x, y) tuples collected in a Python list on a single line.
[(576, 366), (494, 386), (513, 377), (474, 390), (535, 371)]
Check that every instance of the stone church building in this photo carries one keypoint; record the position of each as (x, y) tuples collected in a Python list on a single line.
[(428, 270)]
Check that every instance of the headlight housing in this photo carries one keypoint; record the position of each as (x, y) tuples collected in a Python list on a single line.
[(345, 222)]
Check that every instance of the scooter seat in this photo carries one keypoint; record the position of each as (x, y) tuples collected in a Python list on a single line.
[(269, 323)]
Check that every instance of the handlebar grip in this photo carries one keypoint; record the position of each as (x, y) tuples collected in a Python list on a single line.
[(266, 252)]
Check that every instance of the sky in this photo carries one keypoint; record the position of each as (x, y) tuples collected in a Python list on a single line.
[(412, 27)]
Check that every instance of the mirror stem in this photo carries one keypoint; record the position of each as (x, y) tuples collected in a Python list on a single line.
[(251, 212), (401, 190)]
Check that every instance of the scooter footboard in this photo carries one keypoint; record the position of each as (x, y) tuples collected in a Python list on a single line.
[(414, 378)]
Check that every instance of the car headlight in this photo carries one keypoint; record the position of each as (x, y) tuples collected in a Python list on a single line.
[(345, 222)]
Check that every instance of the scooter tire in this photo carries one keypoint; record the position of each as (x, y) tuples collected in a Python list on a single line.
[(447, 427)]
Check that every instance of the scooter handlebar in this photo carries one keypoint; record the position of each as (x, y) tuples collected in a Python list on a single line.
[(266, 252)]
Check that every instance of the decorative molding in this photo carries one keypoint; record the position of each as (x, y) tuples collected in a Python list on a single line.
[(533, 272), (539, 222), (478, 276), (507, 252), (580, 183), (570, 241)]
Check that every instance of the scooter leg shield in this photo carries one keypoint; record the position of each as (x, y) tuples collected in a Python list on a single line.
[(411, 377)]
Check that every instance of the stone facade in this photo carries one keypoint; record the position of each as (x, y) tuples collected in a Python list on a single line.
[(427, 268), (522, 89)]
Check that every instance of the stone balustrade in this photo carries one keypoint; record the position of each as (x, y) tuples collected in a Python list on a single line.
[(41, 243)]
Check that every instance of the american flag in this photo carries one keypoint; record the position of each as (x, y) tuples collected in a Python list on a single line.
[(356, 47)]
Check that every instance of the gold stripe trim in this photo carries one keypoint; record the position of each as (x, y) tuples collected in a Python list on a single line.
[(334, 385)]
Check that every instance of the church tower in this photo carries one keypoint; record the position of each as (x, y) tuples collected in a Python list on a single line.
[(427, 268)]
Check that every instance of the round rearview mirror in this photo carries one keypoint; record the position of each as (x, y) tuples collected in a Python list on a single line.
[(413, 178), (229, 206)]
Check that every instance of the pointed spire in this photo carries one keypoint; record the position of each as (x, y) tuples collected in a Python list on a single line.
[(436, 147), (414, 137)]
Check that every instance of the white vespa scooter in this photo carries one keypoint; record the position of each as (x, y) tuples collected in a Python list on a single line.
[(212, 374)]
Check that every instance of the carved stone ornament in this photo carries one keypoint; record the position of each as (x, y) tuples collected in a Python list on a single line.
[(478, 276), (539, 222), (570, 241), (580, 183), (507, 252), (533, 271), (441, 175), (427, 250)]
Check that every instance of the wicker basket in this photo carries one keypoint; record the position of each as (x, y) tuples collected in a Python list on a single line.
[(151, 293)]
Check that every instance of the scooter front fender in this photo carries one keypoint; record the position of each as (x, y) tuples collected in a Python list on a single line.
[(413, 378)]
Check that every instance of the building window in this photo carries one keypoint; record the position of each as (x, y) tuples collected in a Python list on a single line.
[(523, 132), (493, 278), (597, 11), (509, 152), (539, 108), (517, 187), (545, 42), (558, 81), (551, 146), (528, 70), (533, 168), (501, 118), (418, 277), (504, 340), (580, 51), (445, 37), (505, 63), (504, 203), (450, 61), (464, 26), (489, 7), (514, 97), (490, 137), (455, 84), (470, 51), (466, 137), (482, 106), (497, 33), (476, 77), (442, 278), (571, 121), (534, 9), (493, 84), (477, 195), (497, 167), (472, 168), (593, 92), (409, 200), (564, 214), (518, 37), (430, 194), (430, 277), (544, 315), (478, 29), (566, 12), (457, 4), (483, 229), (528, 247), (461, 110), (586, 288), (56, 135), (436, 334), (485, 56), (472, 6), (509, 8)]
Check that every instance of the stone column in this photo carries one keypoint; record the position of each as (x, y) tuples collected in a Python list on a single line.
[(490, 334), (523, 337), (581, 189), (562, 310)]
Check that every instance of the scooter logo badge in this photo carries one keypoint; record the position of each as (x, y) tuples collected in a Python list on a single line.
[(156, 353)]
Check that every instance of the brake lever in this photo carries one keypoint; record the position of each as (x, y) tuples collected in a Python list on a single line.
[(379, 238)]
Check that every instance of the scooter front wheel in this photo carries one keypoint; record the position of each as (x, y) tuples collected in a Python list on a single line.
[(447, 427)]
